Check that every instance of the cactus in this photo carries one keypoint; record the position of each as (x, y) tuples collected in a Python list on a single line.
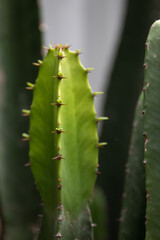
[(99, 214), (64, 144), (19, 47), (122, 95), (152, 131), (132, 221)]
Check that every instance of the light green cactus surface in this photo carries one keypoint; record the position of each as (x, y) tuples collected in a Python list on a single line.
[(152, 131), (64, 144)]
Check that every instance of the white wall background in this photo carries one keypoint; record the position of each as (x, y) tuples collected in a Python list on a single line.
[(91, 25)]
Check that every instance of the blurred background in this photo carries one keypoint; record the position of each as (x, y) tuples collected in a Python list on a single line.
[(95, 27), (112, 35)]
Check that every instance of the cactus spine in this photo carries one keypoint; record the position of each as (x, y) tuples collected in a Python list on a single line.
[(64, 144)]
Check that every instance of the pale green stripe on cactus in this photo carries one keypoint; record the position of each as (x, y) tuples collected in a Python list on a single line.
[(64, 145), (152, 131)]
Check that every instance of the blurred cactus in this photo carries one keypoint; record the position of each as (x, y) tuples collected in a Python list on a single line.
[(151, 132), (19, 47), (132, 220), (123, 91)]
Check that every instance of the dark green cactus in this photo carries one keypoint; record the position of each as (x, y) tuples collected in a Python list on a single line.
[(132, 221), (124, 88), (19, 47), (64, 144), (152, 131), (99, 214)]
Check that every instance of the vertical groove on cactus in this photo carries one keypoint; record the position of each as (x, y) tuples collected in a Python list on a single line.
[(63, 144), (152, 131)]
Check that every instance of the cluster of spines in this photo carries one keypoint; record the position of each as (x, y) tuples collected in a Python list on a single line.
[(59, 130)]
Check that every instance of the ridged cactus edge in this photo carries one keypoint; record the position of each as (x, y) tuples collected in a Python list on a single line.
[(63, 144), (151, 130)]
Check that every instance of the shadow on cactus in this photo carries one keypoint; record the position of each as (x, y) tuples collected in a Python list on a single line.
[(64, 144)]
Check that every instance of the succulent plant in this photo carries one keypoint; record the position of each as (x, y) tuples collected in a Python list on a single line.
[(64, 144)]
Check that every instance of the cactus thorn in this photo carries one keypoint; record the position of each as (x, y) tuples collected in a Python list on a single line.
[(59, 207), (27, 164), (97, 93), (50, 46), (46, 48), (93, 225), (59, 103), (59, 157), (60, 56), (78, 51), (144, 162), (102, 144), (25, 112), (145, 220), (36, 64), (66, 46), (98, 165), (98, 119), (59, 76), (59, 179), (145, 65), (59, 219), (59, 186), (98, 172), (40, 215), (30, 86), (25, 137), (147, 196), (88, 70), (58, 235), (143, 112), (58, 131)]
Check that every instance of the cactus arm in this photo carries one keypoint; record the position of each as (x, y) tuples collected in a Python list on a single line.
[(152, 131), (133, 208)]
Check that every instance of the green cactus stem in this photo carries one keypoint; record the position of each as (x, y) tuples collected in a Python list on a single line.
[(133, 208), (64, 144), (125, 85), (99, 212), (152, 131), (19, 47)]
